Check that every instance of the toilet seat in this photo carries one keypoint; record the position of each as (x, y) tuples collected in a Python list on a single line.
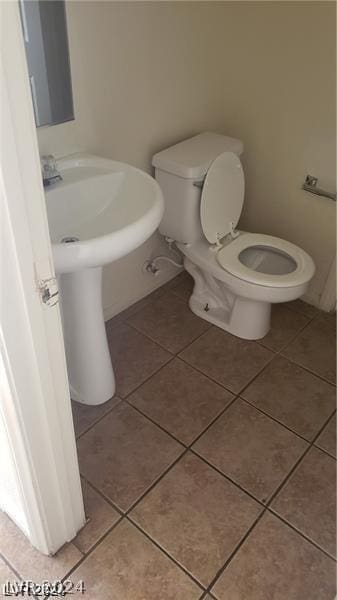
[(222, 197), (301, 263)]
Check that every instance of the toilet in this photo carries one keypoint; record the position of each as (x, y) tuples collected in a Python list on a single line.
[(237, 275)]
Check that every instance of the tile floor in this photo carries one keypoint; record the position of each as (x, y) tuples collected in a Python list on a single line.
[(211, 474)]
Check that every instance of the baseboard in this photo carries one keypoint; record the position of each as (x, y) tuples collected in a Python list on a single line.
[(310, 299), (115, 309)]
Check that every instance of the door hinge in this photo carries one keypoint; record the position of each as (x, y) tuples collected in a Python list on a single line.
[(48, 291)]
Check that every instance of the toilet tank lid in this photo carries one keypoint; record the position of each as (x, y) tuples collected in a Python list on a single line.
[(192, 158)]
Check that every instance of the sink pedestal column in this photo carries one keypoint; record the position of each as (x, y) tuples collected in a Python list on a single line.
[(90, 373)]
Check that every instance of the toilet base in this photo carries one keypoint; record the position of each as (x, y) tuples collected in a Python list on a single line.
[(213, 301)]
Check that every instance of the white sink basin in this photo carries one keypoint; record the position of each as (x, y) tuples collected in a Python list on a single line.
[(109, 206), (99, 212)]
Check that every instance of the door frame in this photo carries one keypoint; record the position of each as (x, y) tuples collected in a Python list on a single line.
[(36, 408)]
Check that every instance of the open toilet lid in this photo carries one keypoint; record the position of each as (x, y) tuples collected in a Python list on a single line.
[(222, 196)]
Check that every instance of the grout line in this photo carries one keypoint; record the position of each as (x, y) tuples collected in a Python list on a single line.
[(281, 350), (15, 572), (299, 312), (91, 550), (125, 515), (236, 549), (126, 398), (119, 400), (251, 405), (325, 452), (297, 463), (176, 439), (238, 392), (301, 533), (146, 301), (267, 507), (149, 489), (311, 442), (277, 353), (9, 564), (293, 337), (228, 478), (287, 477), (172, 357), (326, 423), (177, 354), (155, 543), (172, 436), (188, 448), (106, 498), (149, 337), (235, 397), (294, 362), (159, 478), (208, 426), (131, 508), (320, 431), (141, 497), (258, 373)]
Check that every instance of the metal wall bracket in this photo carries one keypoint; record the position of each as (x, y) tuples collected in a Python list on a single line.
[(310, 185)]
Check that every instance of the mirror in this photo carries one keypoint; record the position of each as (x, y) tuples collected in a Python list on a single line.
[(46, 42)]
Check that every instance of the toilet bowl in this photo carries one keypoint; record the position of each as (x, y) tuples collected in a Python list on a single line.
[(237, 275)]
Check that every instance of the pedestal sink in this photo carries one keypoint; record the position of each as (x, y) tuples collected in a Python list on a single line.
[(99, 212)]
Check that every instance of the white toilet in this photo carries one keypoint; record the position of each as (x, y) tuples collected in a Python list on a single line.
[(237, 275)]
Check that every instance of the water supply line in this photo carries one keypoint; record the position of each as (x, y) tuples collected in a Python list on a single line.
[(151, 265)]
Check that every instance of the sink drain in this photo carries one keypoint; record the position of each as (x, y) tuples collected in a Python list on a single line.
[(69, 240)]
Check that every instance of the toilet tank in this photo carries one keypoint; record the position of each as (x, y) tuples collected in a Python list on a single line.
[(177, 170)]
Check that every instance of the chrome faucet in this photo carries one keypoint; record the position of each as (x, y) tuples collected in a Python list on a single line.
[(50, 174)]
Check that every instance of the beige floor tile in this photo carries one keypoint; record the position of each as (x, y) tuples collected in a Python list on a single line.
[(197, 516), (285, 324), (231, 361), (30, 563), (85, 415), (181, 400), (302, 307), (251, 449), (169, 322), (134, 358), (127, 566), (293, 396), (124, 454), (184, 288), (329, 319), (101, 516), (308, 500), (6, 575), (327, 439), (315, 348), (133, 308), (276, 563)]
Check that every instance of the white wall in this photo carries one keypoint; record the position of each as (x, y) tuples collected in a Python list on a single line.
[(147, 74), (280, 98)]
